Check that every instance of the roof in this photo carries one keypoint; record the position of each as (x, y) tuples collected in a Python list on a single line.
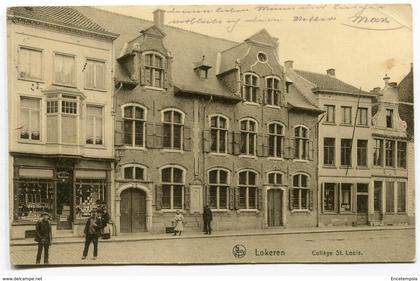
[(64, 16), (326, 82), (297, 100), (178, 41)]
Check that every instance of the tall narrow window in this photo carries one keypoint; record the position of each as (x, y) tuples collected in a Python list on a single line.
[(330, 114), (362, 153), (345, 152), (389, 153), (345, 197), (30, 119), (389, 118), (219, 133), (69, 119), (95, 74), (134, 126), (172, 129), (275, 178), (64, 69), (390, 197), (402, 155), (329, 197), (301, 143), (300, 192), (94, 123), (377, 196), (30, 63), (401, 197), (248, 190), (172, 188), (378, 152), (219, 186), (154, 70), (346, 115), (275, 140), (273, 91), (362, 116), (251, 88), (248, 137), (329, 151)]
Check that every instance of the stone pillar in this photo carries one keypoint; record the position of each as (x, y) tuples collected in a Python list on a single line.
[(196, 198), (371, 202)]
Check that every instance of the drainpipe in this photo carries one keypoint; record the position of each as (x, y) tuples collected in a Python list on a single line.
[(317, 171), (204, 152)]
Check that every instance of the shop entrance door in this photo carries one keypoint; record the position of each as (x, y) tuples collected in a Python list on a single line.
[(274, 207), (133, 211), (64, 213), (362, 204)]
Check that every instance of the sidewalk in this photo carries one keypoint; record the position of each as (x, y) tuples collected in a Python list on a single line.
[(236, 233)]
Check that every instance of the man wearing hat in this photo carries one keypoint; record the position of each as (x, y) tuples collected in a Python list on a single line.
[(43, 236), (92, 232)]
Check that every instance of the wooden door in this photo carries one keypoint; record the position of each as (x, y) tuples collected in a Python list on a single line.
[(362, 209), (133, 211), (274, 207)]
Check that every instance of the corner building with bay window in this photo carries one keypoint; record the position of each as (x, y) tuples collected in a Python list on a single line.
[(60, 119), (207, 121)]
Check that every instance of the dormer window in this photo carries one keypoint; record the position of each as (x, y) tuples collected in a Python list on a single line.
[(389, 118), (202, 68), (154, 70)]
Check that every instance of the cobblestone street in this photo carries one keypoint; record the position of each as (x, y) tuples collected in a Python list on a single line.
[(354, 246)]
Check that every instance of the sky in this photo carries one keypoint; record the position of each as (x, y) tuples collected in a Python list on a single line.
[(315, 37)]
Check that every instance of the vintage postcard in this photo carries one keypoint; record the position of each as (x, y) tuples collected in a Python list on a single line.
[(210, 134)]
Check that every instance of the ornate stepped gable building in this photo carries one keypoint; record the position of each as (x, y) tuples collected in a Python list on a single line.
[(362, 152), (60, 121), (207, 121)]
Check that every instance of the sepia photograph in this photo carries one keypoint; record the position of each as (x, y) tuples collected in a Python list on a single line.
[(210, 134)]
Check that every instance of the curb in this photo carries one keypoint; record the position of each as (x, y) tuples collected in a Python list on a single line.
[(202, 236)]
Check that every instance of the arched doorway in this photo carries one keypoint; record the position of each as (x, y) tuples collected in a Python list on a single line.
[(274, 207), (133, 211)]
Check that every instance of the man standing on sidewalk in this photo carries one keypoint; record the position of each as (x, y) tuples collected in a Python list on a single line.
[(92, 231), (44, 237), (207, 217)]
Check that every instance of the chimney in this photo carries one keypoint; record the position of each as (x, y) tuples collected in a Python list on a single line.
[(159, 18), (288, 64), (331, 72), (386, 79), (393, 84)]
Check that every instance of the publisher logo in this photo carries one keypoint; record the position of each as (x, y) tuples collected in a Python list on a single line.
[(239, 251)]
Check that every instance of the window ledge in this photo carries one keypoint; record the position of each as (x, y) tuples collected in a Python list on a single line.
[(301, 160), (154, 88), (329, 167), (23, 141), (34, 80), (64, 85), (95, 146), (219, 154), (329, 213), (248, 211), (247, 156), (220, 210), (346, 125), (346, 167), (172, 211), (273, 106), (96, 89), (173, 151), (299, 211), (329, 124), (362, 168), (363, 126), (276, 158), (134, 147), (252, 103)]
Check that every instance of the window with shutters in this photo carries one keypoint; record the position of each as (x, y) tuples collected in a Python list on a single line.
[(173, 125), (63, 114), (218, 134), (273, 91), (248, 190), (329, 151), (250, 88), (94, 125), (95, 74), (275, 178), (248, 130), (300, 192), (154, 70), (134, 117), (173, 182), (133, 172), (30, 65), (30, 119), (275, 140), (218, 188), (65, 69), (301, 143), (378, 152)]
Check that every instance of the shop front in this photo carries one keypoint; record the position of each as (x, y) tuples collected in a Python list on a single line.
[(68, 188)]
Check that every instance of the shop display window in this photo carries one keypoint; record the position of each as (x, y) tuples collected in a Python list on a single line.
[(34, 198), (89, 195)]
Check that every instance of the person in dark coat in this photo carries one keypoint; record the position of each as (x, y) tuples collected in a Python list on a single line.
[(92, 232), (43, 236), (105, 231), (207, 217)]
